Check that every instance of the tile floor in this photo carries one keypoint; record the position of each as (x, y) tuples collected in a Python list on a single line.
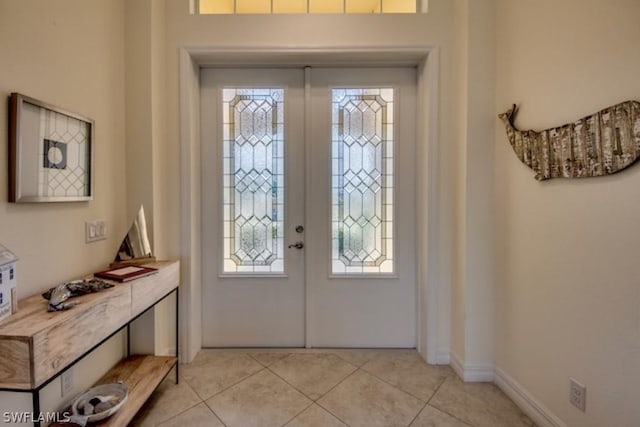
[(333, 387)]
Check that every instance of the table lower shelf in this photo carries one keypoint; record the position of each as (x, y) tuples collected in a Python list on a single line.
[(142, 375)]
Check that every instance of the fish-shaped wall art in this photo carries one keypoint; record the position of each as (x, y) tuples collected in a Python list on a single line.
[(600, 144)]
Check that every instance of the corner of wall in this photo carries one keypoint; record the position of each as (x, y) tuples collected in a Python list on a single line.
[(472, 372)]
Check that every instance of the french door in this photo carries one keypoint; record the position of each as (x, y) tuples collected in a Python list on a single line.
[(308, 212)]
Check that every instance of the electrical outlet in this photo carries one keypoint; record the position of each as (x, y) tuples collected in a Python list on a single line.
[(95, 230), (577, 394), (66, 382)]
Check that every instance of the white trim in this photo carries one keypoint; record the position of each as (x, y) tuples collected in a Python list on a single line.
[(308, 337), (190, 267), (167, 351), (470, 372), (531, 406), (443, 356), (435, 333), (437, 316), (310, 57)]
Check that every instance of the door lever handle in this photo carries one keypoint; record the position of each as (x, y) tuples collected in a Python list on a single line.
[(297, 245)]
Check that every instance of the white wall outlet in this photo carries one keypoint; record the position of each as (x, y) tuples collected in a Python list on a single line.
[(95, 230), (66, 382), (577, 394)]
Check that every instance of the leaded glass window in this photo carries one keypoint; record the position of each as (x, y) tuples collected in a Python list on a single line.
[(362, 180), (253, 180), (205, 7)]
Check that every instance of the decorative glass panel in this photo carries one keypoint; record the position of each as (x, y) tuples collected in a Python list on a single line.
[(400, 6), (205, 7), (362, 6), (362, 180), (253, 180), (253, 6), (326, 6), (289, 6)]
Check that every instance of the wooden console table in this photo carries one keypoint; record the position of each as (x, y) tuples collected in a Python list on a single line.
[(37, 346)]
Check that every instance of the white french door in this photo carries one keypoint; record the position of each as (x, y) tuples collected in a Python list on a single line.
[(308, 212)]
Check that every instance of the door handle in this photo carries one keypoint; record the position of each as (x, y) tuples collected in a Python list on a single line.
[(297, 245)]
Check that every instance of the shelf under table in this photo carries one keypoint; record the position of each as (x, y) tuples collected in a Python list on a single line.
[(142, 374)]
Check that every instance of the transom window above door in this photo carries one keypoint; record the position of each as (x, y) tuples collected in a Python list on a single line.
[(205, 7)]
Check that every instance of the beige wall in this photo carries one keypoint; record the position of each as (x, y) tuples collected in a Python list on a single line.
[(69, 53), (543, 270), (567, 297)]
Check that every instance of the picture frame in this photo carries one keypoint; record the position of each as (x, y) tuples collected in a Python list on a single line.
[(51, 153)]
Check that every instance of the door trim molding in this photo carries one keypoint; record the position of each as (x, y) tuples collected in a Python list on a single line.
[(433, 317)]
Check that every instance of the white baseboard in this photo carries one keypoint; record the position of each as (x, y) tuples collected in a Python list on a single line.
[(170, 351), (470, 372), (443, 356), (531, 406)]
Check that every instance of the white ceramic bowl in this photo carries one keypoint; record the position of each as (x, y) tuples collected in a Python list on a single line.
[(118, 390)]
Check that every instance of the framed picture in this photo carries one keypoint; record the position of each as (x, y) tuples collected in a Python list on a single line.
[(50, 153)]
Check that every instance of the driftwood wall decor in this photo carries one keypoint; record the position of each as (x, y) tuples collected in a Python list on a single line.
[(601, 144)]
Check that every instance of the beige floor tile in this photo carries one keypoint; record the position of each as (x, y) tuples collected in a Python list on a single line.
[(268, 358), (199, 415), (263, 400), (355, 356), (315, 416), (212, 371), (431, 417), (167, 401), (364, 400), (409, 372), (313, 374), (478, 404)]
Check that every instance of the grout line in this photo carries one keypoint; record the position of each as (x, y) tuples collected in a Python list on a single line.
[(234, 384), (214, 414), (292, 418), (323, 394), (337, 417), (440, 409), (180, 413), (266, 366), (330, 390), (338, 383), (350, 362), (291, 385), (396, 386), (418, 414), (437, 389)]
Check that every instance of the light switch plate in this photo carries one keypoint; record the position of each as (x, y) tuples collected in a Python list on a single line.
[(95, 230)]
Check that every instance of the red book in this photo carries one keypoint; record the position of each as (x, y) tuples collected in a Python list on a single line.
[(124, 274)]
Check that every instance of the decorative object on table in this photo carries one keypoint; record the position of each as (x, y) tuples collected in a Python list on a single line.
[(98, 403), (58, 296), (601, 144), (8, 283), (126, 273), (50, 153), (135, 248)]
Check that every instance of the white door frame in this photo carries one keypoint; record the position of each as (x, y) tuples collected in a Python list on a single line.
[(433, 318)]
